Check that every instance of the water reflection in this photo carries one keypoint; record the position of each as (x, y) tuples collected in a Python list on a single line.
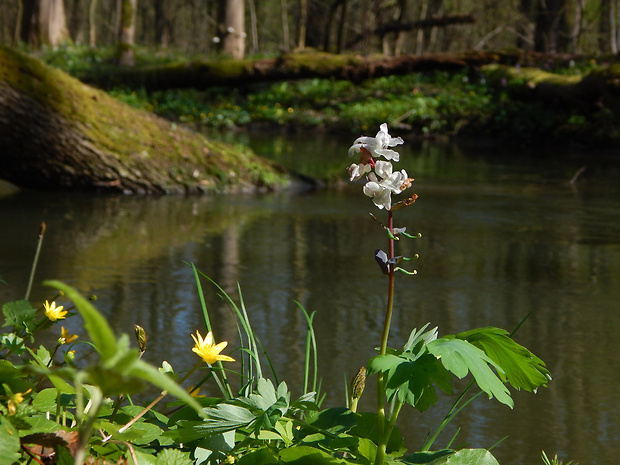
[(500, 240)]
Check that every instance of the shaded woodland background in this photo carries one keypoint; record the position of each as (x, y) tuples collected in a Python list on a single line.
[(238, 28)]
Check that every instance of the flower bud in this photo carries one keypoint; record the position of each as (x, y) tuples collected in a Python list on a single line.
[(141, 337)]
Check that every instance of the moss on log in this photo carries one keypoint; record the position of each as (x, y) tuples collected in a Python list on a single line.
[(58, 133), (202, 73), (587, 93)]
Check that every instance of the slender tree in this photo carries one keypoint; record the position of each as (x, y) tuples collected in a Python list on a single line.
[(163, 31), (232, 28), (126, 32)]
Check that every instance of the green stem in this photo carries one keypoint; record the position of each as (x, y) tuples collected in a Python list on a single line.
[(36, 260), (381, 450), (153, 403)]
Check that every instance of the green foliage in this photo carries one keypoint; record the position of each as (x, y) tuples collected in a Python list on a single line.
[(489, 354), (86, 410)]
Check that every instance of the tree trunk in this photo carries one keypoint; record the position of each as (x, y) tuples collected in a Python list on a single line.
[(58, 134), (44, 23), (76, 22), (162, 25), (286, 41), (233, 43), (52, 22), (549, 35), (126, 32), (302, 24), (92, 28)]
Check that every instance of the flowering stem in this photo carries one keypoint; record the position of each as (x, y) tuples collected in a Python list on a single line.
[(384, 340)]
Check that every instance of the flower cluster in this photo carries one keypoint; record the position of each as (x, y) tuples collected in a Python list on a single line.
[(383, 181)]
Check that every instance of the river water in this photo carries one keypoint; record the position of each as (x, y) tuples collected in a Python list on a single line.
[(505, 234)]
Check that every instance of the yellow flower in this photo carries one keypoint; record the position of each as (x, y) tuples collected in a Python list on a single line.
[(15, 400), (65, 337), (208, 351), (194, 392), (54, 313)]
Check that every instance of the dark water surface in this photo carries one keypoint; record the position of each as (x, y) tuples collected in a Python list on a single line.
[(504, 235)]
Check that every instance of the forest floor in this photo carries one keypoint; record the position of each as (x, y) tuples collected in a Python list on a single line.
[(431, 104)]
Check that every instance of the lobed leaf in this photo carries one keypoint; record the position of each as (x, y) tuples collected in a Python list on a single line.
[(460, 357), (522, 369)]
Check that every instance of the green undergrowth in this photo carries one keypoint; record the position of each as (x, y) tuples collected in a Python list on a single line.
[(428, 104)]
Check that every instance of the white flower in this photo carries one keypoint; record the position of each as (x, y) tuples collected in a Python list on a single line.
[(357, 171), (389, 180), (383, 182), (381, 196), (378, 145)]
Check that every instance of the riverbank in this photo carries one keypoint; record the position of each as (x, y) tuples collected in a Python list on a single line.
[(468, 103)]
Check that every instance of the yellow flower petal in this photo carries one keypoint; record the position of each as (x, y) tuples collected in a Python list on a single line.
[(208, 351), (54, 313)]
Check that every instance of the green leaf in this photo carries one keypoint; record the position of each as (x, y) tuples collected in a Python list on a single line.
[(461, 357), (19, 314), (13, 343), (334, 420), (173, 457), (47, 399), (140, 433), (420, 336), (221, 418), (522, 368), (262, 456), (12, 377), (411, 377), (9, 443), (143, 370), (143, 458), (472, 457), (368, 427), (434, 458), (98, 328), (306, 455)]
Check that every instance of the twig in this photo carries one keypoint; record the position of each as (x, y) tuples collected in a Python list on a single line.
[(36, 259), (577, 174)]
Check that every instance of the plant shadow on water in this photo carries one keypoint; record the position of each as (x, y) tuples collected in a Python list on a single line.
[(501, 239)]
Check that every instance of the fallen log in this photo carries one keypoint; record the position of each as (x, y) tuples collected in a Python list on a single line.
[(203, 73), (57, 133)]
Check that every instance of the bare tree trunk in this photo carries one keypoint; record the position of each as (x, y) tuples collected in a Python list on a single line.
[(18, 22), (162, 25), (286, 40), (126, 32), (302, 24), (577, 26), (253, 26), (419, 45), (400, 36), (233, 43), (43, 22), (550, 23), (92, 25), (341, 26), (52, 22), (76, 22)]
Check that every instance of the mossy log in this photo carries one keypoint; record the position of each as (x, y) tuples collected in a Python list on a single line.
[(58, 134), (202, 73), (585, 93)]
